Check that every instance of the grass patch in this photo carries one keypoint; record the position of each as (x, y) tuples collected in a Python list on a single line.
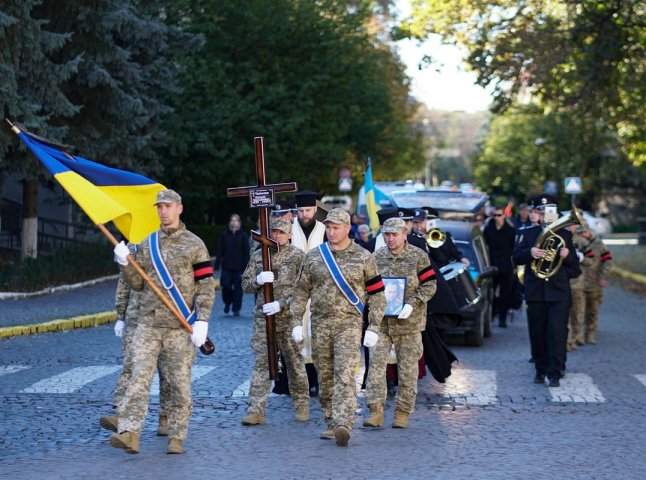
[(68, 265)]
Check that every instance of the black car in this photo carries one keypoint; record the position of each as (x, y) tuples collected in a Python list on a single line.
[(457, 210)]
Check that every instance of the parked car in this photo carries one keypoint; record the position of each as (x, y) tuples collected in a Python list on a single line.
[(457, 210)]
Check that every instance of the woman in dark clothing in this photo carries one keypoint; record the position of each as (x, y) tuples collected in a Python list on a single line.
[(233, 256)]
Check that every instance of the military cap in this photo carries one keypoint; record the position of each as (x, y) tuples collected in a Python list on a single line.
[(541, 201), (393, 225), (386, 213), (283, 206), (305, 198), (281, 224), (420, 215), (337, 215), (168, 196), (405, 213), (431, 212)]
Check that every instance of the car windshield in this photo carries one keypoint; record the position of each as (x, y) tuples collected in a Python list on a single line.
[(441, 200)]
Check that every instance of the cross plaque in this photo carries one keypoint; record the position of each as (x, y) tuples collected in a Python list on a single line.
[(262, 196)]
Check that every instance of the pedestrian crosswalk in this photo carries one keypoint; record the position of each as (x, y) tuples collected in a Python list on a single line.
[(465, 386)]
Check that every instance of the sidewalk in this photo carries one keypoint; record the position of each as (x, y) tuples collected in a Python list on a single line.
[(79, 307)]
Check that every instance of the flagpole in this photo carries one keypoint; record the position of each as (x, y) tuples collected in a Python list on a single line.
[(149, 281)]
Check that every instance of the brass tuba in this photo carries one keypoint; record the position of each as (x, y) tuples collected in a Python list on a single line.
[(435, 238), (549, 241)]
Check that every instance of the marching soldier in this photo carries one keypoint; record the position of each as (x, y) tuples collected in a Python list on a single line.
[(340, 277), (127, 306), (178, 260), (577, 311), (596, 279), (400, 259), (548, 300), (307, 234), (285, 267)]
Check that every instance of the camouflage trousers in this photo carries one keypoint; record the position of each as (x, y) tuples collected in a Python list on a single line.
[(409, 349), (173, 348), (577, 317), (593, 300), (336, 355), (126, 372), (260, 382)]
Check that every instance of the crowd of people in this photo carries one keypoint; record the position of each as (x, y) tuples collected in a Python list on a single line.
[(337, 287)]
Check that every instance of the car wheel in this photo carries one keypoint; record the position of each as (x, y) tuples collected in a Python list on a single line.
[(486, 314)]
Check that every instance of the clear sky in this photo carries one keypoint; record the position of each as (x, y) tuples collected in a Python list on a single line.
[(445, 84)]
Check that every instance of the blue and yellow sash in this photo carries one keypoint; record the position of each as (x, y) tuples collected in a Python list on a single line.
[(338, 277)]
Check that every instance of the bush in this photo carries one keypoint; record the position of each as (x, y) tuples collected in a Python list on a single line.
[(68, 265), (210, 235)]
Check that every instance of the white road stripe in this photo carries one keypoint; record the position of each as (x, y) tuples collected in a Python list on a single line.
[(4, 370), (472, 387), (578, 388), (641, 378), (198, 371), (71, 380)]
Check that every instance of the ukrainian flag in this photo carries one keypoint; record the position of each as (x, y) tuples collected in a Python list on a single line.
[(373, 196), (105, 194)]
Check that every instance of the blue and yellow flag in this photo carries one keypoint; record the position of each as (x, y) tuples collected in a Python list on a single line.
[(373, 197), (105, 194)]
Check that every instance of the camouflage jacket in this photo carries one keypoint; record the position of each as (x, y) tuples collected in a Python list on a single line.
[(413, 264), (329, 305), (579, 282), (126, 299), (285, 264), (188, 262), (599, 265)]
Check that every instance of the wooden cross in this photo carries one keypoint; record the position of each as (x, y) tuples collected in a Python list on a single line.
[(262, 196)]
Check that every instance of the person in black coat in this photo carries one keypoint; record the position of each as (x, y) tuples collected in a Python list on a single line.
[(500, 237), (233, 256), (548, 300)]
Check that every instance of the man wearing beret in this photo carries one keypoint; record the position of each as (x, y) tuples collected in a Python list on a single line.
[(285, 264), (159, 334), (401, 260), (342, 279)]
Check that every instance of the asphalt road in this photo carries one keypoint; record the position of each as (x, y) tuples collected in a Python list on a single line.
[(488, 421)]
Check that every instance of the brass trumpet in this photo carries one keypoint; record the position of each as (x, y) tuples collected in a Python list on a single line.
[(436, 238), (546, 266)]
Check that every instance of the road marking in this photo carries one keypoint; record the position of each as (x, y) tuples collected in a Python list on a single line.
[(198, 371), (641, 378), (5, 370), (471, 387), (71, 380), (577, 388), (620, 241)]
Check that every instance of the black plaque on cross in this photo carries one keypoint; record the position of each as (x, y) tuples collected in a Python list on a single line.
[(262, 196)]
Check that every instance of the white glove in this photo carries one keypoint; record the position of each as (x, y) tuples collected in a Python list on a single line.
[(297, 334), (121, 253), (118, 328), (265, 277), (580, 256), (271, 308), (370, 339), (200, 329), (406, 311)]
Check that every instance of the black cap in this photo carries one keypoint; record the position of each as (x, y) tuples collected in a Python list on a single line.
[(431, 212), (386, 213), (283, 206), (543, 200), (305, 198), (405, 213), (420, 215)]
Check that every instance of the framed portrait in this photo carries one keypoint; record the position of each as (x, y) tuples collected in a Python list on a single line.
[(395, 290)]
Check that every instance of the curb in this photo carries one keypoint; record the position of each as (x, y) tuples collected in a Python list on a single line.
[(635, 277), (60, 288), (82, 321)]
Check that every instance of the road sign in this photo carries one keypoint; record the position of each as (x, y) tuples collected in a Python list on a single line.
[(345, 184), (573, 185), (551, 187)]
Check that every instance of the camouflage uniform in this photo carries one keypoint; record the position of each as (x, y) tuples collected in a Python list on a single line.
[(160, 333), (594, 272), (337, 325), (285, 265), (413, 264), (577, 311), (127, 306)]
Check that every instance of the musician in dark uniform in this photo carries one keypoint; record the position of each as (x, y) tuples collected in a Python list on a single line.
[(448, 252), (548, 300)]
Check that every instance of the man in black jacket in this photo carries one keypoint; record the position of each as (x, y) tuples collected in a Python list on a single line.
[(548, 300), (233, 256), (500, 237)]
